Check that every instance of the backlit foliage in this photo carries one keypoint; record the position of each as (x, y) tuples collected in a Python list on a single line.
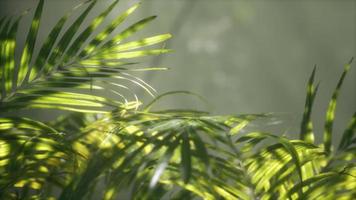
[(127, 152)]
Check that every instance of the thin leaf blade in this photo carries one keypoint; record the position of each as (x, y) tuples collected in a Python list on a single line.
[(26, 56), (330, 114), (306, 130)]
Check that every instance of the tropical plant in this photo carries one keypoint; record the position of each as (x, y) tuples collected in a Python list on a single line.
[(128, 152)]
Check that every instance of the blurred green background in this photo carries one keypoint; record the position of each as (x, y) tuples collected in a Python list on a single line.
[(243, 56)]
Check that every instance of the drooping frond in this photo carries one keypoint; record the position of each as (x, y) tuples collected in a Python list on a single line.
[(33, 156), (160, 150)]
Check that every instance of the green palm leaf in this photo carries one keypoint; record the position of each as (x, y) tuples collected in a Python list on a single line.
[(31, 155), (145, 154), (349, 134), (330, 114), (26, 56), (38, 85), (306, 132)]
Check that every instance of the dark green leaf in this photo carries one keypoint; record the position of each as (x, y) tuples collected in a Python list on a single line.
[(349, 134), (306, 130), (106, 32), (79, 41), (65, 40), (9, 50), (186, 157), (26, 56), (330, 114), (163, 163), (49, 45)]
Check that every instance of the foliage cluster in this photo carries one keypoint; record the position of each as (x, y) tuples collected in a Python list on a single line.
[(127, 152)]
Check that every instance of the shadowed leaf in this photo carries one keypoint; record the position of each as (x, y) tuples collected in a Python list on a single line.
[(330, 113), (26, 56), (349, 134), (306, 130)]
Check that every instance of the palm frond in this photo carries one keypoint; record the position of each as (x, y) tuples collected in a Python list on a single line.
[(32, 155), (70, 61), (157, 148), (146, 154), (26, 56)]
